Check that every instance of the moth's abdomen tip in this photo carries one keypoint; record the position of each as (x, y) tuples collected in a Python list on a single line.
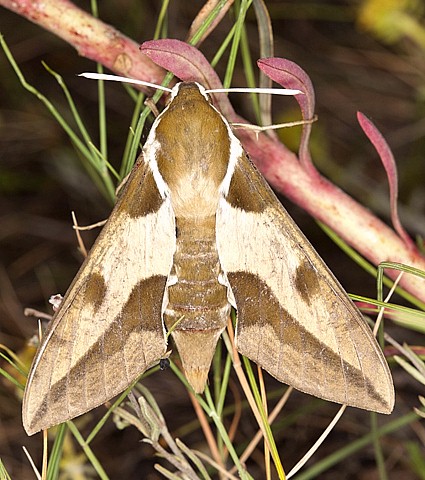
[(196, 349), (197, 378)]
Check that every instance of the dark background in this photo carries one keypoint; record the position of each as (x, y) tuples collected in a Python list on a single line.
[(42, 180)]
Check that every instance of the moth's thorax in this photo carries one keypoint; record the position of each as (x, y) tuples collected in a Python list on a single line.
[(193, 156)]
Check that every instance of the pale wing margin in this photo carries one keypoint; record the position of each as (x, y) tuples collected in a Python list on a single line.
[(294, 318), (109, 327)]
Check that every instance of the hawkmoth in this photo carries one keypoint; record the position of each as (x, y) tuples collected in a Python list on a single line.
[(197, 230)]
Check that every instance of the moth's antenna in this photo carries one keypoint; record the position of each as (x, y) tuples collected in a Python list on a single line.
[(117, 78)]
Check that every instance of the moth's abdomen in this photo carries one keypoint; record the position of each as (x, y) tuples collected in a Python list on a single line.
[(197, 309)]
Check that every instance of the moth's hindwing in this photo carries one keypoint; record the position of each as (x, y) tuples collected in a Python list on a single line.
[(108, 329), (294, 318)]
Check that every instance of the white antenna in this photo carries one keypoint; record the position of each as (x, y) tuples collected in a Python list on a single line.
[(117, 78)]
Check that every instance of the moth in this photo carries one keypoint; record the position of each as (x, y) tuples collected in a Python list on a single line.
[(197, 230)]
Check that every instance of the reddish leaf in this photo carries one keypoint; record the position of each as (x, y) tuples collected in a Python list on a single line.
[(188, 64), (387, 159), (290, 75)]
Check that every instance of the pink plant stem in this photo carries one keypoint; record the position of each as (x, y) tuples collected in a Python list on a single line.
[(354, 223), (91, 37)]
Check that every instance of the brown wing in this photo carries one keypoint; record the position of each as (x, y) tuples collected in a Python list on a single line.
[(109, 328), (294, 318)]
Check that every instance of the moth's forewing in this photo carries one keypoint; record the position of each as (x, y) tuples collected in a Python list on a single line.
[(294, 319), (109, 328)]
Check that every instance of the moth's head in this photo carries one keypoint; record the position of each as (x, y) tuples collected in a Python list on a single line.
[(187, 91)]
